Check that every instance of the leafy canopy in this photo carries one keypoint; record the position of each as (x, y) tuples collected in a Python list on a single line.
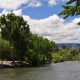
[(71, 8), (16, 30)]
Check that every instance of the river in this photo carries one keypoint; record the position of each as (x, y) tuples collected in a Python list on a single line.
[(69, 70)]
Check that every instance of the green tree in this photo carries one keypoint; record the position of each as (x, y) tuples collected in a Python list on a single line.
[(16, 30), (71, 8), (35, 54), (39, 49), (4, 50)]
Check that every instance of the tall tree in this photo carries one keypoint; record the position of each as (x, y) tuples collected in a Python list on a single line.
[(71, 8), (4, 50), (16, 30), (39, 49)]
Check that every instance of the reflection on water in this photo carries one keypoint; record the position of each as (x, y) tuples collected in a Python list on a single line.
[(69, 70)]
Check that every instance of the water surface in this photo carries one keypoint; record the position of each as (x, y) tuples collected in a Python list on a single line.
[(69, 70)]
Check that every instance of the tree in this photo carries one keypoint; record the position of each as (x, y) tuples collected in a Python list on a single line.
[(39, 49), (64, 46), (71, 9), (16, 30), (4, 49), (35, 50)]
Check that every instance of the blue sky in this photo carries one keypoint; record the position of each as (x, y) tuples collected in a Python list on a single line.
[(43, 18)]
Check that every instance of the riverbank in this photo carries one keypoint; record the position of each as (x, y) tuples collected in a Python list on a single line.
[(68, 70), (10, 64)]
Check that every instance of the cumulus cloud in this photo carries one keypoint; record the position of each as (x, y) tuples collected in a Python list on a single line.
[(16, 12), (12, 4), (52, 2), (52, 27), (55, 29), (16, 4), (34, 3), (4, 12)]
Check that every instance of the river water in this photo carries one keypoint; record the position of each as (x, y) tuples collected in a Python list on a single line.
[(69, 70)]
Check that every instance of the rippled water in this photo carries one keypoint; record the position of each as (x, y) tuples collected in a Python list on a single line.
[(69, 70)]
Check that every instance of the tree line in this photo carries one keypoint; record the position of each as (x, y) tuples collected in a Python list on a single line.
[(18, 43)]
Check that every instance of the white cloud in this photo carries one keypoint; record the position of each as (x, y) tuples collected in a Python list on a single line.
[(18, 12), (4, 12), (34, 3), (16, 4), (12, 4), (55, 29), (52, 2), (52, 27)]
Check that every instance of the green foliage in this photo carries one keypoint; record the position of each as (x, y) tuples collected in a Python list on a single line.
[(18, 43), (57, 57), (70, 9), (16, 30), (23, 44), (66, 54), (77, 57), (39, 49), (4, 49)]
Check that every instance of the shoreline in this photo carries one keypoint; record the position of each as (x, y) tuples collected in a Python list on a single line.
[(8, 64)]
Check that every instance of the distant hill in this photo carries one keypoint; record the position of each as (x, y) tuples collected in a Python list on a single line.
[(68, 45)]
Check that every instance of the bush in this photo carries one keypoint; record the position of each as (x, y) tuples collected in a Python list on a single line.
[(56, 57)]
